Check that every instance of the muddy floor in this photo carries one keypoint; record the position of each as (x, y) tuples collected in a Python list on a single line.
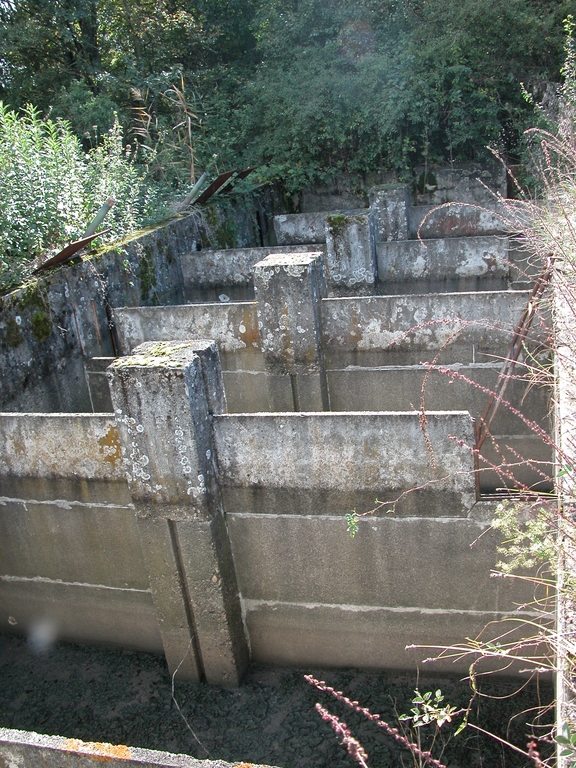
[(125, 698)]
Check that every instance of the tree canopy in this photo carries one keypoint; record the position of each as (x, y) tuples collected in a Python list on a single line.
[(306, 89)]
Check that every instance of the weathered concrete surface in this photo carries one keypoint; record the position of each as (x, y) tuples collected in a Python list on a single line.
[(391, 203), (228, 267), (289, 288), (300, 228), (252, 391), (98, 390), (311, 595), (288, 291), (467, 183), (175, 621), (71, 561), (350, 251), (72, 542), (233, 326), (391, 562), (443, 259), (162, 412), (457, 220), (337, 197), (47, 610), (60, 445), (401, 388), (389, 330), (164, 396), (25, 749), (307, 635), (48, 327), (312, 462), (521, 462)]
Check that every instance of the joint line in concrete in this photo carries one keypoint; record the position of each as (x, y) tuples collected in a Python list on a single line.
[(187, 601)]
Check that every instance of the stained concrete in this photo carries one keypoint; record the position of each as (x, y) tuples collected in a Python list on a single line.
[(234, 326), (23, 749), (235, 521), (409, 329), (335, 456), (60, 445), (453, 258)]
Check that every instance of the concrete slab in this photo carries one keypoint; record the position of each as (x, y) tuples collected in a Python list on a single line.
[(391, 562), (331, 458), (80, 613), (60, 445), (25, 749)]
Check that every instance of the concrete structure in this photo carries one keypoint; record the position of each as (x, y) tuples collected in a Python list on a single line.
[(23, 749), (263, 397)]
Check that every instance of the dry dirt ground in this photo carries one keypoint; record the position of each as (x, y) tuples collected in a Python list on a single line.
[(125, 698)]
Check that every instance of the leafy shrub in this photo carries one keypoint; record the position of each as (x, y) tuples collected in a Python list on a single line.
[(50, 190)]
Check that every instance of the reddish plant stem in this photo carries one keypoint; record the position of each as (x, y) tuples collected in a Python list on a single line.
[(392, 732)]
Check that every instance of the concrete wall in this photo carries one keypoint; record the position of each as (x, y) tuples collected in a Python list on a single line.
[(50, 327), (481, 185), (25, 749), (408, 260), (457, 220), (227, 272), (244, 543), (388, 330), (71, 562), (229, 528)]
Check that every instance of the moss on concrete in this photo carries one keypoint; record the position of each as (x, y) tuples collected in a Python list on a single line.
[(14, 335), (146, 273), (41, 325)]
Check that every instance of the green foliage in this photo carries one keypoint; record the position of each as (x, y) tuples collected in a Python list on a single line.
[(529, 534), (566, 739), (50, 190), (352, 524), (308, 90), (429, 708)]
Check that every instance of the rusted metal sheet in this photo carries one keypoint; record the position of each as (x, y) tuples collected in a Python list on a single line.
[(68, 252), (232, 182), (218, 182)]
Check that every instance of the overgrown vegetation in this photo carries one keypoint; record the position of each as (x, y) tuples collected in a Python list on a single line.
[(50, 189), (309, 90)]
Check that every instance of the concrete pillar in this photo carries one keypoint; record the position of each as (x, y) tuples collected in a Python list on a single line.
[(392, 204), (289, 289), (351, 252), (164, 396)]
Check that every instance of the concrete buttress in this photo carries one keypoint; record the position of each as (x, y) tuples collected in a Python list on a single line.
[(164, 396), (289, 290)]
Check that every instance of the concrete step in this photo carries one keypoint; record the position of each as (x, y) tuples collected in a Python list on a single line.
[(403, 388), (455, 220), (516, 462), (450, 259)]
